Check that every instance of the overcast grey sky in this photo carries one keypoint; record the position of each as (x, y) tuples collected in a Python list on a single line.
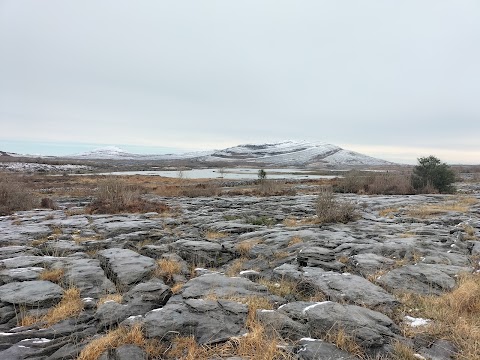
[(393, 79)]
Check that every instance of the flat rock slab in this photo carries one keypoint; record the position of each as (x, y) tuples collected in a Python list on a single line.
[(115, 225), (19, 274), (201, 252), (31, 293), (340, 286), (370, 328), (88, 276), (315, 349), (422, 278), (15, 251), (126, 267), (209, 321), (350, 288), (221, 286)]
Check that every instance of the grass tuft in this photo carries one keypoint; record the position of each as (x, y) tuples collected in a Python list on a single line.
[(110, 297), (167, 269), (53, 275), (71, 305), (455, 315), (118, 337)]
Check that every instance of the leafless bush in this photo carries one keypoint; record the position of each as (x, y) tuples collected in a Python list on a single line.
[(329, 209), (200, 190), (267, 187), (386, 183), (48, 203), (14, 196), (114, 195)]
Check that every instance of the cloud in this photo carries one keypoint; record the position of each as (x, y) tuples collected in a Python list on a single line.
[(210, 73)]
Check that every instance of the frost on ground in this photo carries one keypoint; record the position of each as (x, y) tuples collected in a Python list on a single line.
[(30, 167)]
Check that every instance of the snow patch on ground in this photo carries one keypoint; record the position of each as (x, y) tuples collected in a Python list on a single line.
[(33, 167), (416, 322)]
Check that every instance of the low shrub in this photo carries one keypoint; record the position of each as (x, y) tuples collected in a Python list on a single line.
[(384, 183), (14, 196), (431, 173), (330, 210), (200, 190), (48, 203), (273, 188), (114, 195)]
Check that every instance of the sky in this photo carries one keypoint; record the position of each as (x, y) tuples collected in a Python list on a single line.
[(391, 79)]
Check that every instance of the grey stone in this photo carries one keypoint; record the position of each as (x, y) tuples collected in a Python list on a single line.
[(370, 328), (221, 286), (368, 263), (111, 313), (209, 321), (125, 267), (201, 252), (280, 324), (314, 349), (440, 350), (31, 293), (422, 278), (339, 286), (89, 277), (19, 274), (7, 252), (130, 352), (138, 301)]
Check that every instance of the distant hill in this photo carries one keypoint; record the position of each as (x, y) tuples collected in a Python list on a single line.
[(285, 153)]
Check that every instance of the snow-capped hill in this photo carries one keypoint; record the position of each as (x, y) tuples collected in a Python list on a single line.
[(107, 152), (294, 153), (274, 149), (285, 153)]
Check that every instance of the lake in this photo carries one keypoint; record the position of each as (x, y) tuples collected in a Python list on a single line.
[(231, 173)]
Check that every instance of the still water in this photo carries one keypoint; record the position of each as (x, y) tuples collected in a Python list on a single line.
[(233, 174)]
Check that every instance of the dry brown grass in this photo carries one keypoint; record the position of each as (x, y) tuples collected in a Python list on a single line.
[(122, 336), (284, 287), (258, 344), (80, 239), (53, 275), (71, 305), (455, 315), (290, 222), (469, 232), (244, 247), (110, 297), (273, 188), (235, 267), (214, 235), (388, 183), (15, 195), (387, 212), (115, 195), (281, 255), (167, 269), (176, 288), (344, 341), (402, 351), (459, 204), (295, 240)]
